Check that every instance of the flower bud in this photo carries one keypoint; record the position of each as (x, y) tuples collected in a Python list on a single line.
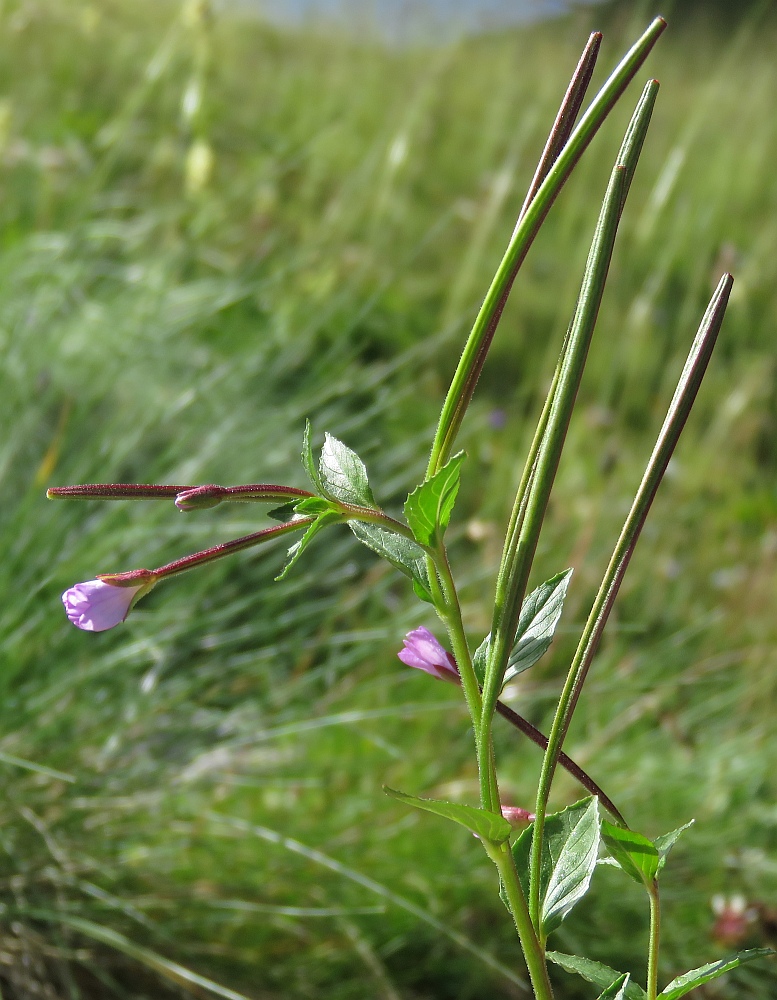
[(200, 498), (517, 818), (97, 605), (424, 652)]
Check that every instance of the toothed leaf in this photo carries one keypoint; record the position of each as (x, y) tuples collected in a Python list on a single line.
[(307, 458), (314, 505), (296, 550), (401, 552), (666, 842), (618, 989), (285, 512), (343, 475), (430, 505), (480, 659)]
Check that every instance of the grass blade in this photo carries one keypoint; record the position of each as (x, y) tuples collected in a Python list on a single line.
[(318, 857), (151, 959)]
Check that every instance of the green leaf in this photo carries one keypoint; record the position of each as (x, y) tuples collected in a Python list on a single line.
[(343, 475), (296, 550), (285, 512), (486, 825), (618, 989), (401, 552), (314, 505), (635, 854), (684, 984), (540, 614), (665, 843), (422, 592), (480, 659), (429, 506), (308, 460), (569, 848), (600, 975), (302, 508)]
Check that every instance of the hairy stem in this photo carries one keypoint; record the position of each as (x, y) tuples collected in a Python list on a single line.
[(533, 951), (655, 934)]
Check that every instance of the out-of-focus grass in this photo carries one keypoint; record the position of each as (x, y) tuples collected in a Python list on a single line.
[(160, 325)]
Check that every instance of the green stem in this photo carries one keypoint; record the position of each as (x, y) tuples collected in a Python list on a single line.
[(533, 951), (449, 609), (655, 934)]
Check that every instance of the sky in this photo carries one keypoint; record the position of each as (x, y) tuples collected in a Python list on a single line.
[(404, 19)]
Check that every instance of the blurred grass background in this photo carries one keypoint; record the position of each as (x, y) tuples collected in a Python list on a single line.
[(211, 229)]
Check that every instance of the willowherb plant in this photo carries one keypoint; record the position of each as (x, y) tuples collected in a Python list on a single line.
[(545, 862)]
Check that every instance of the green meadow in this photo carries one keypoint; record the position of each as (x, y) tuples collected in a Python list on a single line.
[(211, 230)]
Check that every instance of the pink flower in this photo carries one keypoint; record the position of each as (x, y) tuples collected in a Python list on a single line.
[(95, 606), (424, 652), (517, 817)]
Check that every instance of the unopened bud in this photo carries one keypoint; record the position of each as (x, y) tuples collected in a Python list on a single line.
[(200, 498), (517, 817)]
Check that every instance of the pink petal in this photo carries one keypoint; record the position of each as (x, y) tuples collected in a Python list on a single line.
[(424, 652), (95, 606)]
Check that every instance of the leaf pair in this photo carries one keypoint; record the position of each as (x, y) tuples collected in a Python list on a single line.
[(617, 986), (343, 486), (643, 860), (341, 482)]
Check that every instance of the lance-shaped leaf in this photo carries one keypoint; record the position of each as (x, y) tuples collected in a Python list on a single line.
[(569, 849), (602, 976), (343, 475), (666, 842), (618, 989), (486, 825), (296, 550), (635, 854), (539, 617), (684, 984), (401, 552), (430, 505)]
